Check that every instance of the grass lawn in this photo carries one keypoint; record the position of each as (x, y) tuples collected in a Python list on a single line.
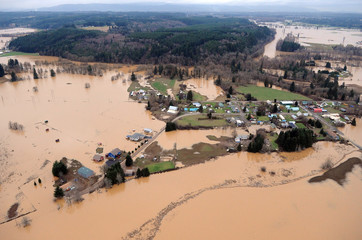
[(198, 97), (263, 118), (161, 166), (300, 125), (162, 88), (194, 121), (272, 140), (332, 110), (263, 93), (162, 84), (136, 86), (18, 54), (288, 118)]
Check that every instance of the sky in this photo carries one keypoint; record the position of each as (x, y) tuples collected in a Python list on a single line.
[(33, 4)]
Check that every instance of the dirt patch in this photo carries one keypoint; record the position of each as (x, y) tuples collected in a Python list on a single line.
[(153, 149), (338, 173), (12, 212), (200, 153)]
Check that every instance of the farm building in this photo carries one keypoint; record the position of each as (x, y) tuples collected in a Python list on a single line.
[(286, 102), (294, 109), (196, 104), (317, 110), (172, 110), (136, 137), (147, 130), (85, 172), (239, 138), (98, 158), (114, 153)]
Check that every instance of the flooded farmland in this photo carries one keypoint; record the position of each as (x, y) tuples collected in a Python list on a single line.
[(279, 200)]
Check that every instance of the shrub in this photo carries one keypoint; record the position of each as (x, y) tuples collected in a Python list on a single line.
[(58, 192), (327, 165), (170, 126), (59, 167)]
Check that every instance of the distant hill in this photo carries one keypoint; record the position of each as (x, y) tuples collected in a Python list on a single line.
[(171, 7)]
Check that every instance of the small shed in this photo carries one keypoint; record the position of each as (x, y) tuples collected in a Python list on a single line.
[(85, 172), (98, 158), (317, 110), (147, 130), (114, 153), (287, 102), (196, 104)]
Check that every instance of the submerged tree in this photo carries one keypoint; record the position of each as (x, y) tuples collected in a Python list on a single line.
[(13, 77), (52, 73), (354, 122), (58, 192), (2, 72), (35, 74), (133, 77)]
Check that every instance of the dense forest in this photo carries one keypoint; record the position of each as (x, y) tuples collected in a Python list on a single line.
[(186, 41)]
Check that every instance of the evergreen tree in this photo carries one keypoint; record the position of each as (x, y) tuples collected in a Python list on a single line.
[(160, 69), (201, 109), (59, 167), (209, 115), (145, 172), (2, 72), (90, 70), (345, 68), (285, 75), (318, 124), (218, 81), (328, 65), (115, 173), (275, 108), (312, 85), (13, 77), (189, 95), (52, 73), (292, 87), (138, 173), (133, 77), (129, 161), (155, 71), (35, 74), (351, 94), (354, 122), (230, 90), (170, 126), (58, 192), (239, 148)]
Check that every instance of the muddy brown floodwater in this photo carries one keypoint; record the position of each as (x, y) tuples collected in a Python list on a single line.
[(204, 86), (229, 197)]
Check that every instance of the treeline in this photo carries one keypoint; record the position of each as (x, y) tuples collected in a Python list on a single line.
[(188, 45), (287, 46), (296, 139)]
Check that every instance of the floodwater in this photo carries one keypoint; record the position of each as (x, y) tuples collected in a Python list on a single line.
[(102, 214), (353, 132), (204, 86), (307, 35), (81, 118)]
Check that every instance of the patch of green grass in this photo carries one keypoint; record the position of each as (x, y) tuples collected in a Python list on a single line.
[(212, 137), (263, 93), (332, 110), (162, 88), (201, 121), (161, 166), (136, 86), (263, 118), (272, 140), (18, 54), (198, 97), (319, 46), (288, 118), (300, 125)]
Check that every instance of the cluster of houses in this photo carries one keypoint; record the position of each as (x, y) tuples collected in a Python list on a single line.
[(139, 94)]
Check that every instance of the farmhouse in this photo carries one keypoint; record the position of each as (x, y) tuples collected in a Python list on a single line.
[(172, 110), (114, 153), (136, 137), (286, 102)]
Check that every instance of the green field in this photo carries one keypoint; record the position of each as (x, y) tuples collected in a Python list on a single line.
[(194, 121), (300, 125), (161, 166), (263, 93), (18, 54), (162, 84), (198, 97)]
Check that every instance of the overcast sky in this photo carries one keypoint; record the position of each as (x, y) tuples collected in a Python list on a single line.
[(33, 4)]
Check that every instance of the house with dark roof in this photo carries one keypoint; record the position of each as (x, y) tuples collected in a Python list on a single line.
[(114, 153)]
